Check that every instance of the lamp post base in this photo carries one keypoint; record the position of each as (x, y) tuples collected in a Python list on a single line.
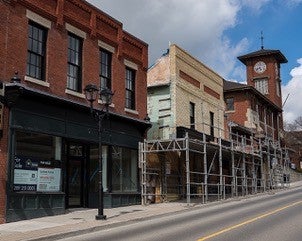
[(100, 217)]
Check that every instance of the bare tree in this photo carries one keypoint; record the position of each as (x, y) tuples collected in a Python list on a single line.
[(293, 139), (298, 123)]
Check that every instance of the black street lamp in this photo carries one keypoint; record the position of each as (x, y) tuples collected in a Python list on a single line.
[(92, 93)]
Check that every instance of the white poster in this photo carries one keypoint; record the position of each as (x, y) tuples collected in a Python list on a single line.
[(22, 176), (25, 180), (49, 179)]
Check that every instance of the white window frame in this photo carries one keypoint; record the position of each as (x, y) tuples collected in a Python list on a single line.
[(75, 31), (130, 64), (262, 85), (38, 19), (278, 90), (106, 46)]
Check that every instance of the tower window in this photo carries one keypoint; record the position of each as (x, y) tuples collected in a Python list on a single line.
[(278, 92), (262, 86)]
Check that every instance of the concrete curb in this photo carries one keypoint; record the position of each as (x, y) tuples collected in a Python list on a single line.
[(122, 223), (101, 227)]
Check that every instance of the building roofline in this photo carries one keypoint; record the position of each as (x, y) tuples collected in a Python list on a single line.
[(197, 60), (263, 52), (102, 12), (241, 87)]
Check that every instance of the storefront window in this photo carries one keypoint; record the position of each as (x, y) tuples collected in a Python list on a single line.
[(124, 170), (37, 162), (94, 169)]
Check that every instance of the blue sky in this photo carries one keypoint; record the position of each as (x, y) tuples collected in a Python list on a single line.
[(217, 31), (280, 24)]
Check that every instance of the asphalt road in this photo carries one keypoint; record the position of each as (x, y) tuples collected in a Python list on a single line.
[(274, 217)]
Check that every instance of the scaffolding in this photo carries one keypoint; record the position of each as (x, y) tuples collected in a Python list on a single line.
[(203, 168)]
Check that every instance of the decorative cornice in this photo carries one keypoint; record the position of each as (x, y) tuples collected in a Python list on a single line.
[(106, 19), (133, 40), (81, 4)]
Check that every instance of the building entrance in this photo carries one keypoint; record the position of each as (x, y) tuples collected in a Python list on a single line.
[(75, 175), (75, 183)]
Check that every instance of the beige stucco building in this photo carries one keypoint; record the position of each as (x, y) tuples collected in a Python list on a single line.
[(183, 92)]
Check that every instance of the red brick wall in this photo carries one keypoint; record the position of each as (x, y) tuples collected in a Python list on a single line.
[(13, 41), (211, 92), (98, 26), (241, 104), (268, 73), (190, 79), (3, 165)]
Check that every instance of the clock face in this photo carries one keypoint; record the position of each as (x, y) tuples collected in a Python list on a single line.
[(260, 67)]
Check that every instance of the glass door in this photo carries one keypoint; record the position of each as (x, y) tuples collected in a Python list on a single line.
[(75, 175), (75, 182)]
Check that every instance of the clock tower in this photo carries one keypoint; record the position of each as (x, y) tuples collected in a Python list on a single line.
[(263, 72)]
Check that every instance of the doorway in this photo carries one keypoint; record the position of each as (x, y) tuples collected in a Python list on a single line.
[(75, 170)]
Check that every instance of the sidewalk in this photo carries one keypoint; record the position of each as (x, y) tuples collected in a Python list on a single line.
[(80, 221)]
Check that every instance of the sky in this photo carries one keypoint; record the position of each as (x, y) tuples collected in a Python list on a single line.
[(216, 32)]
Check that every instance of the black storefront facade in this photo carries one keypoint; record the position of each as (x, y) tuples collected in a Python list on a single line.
[(53, 155)]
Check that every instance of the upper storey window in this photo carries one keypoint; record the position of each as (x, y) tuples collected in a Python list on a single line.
[(74, 72), (36, 51), (105, 68), (130, 88), (230, 104), (192, 115), (278, 89), (262, 85), (211, 123)]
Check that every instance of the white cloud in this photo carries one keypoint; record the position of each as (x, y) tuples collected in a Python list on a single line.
[(256, 5), (196, 26), (291, 3), (199, 26), (293, 105)]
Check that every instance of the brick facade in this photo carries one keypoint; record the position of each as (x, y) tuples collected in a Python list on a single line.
[(3, 165), (270, 73), (261, 112), (85, 19), (14, 27)]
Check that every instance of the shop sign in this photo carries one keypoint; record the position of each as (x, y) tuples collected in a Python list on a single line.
[(36, 175), (49, 179), (25, 174)]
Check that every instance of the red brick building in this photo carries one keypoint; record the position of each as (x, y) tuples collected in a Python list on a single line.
[(256, 107), (49, 141)]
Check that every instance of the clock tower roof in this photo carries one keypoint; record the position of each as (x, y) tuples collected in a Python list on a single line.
[(263, 52)]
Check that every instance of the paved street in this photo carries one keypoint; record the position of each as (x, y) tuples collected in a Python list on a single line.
[(271, 217), (274, 216)]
